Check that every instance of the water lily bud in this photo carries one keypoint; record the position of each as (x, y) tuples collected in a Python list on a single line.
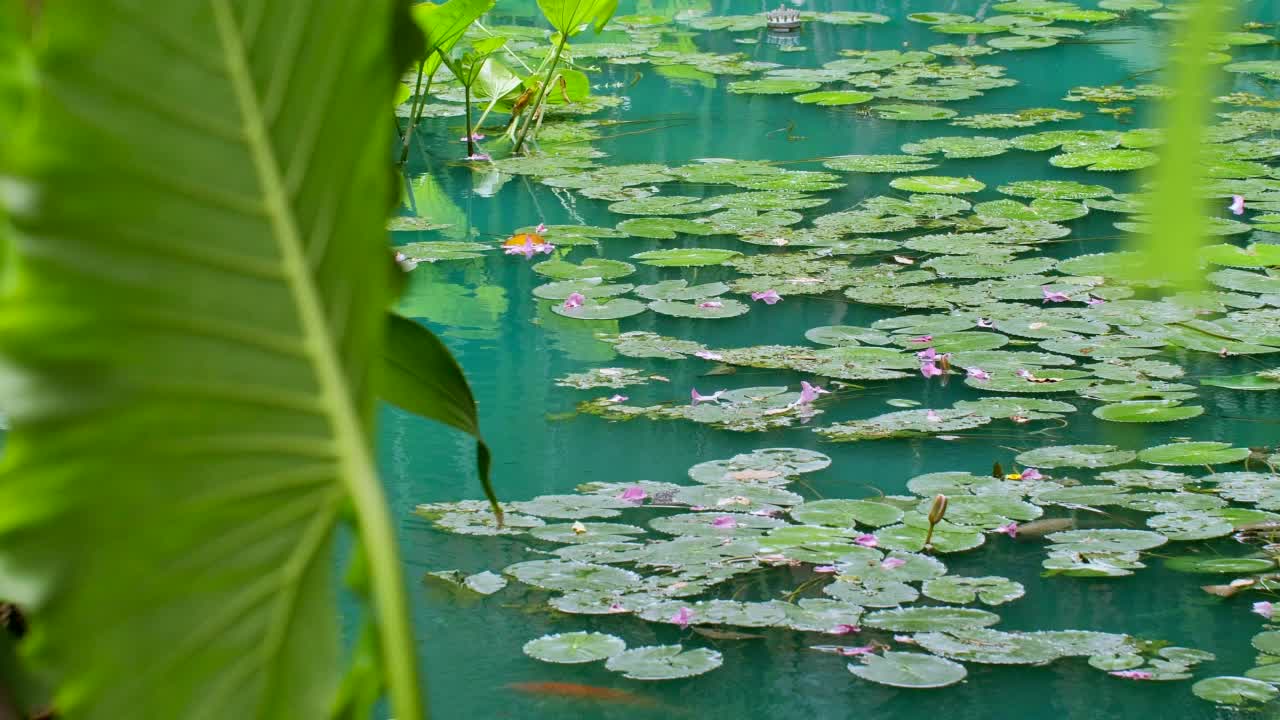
[(997, 471), (939, 509)]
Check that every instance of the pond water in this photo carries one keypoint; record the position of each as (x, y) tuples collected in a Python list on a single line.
[(513, 348)]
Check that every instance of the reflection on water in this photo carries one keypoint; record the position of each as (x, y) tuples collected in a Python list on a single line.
[(513, 347)]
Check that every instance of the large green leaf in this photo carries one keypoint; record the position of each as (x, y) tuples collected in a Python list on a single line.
[(419, 375), (568, 16), (190, 351), (444, 25)]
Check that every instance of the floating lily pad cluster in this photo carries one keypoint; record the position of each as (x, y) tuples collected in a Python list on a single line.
[(876, 582)]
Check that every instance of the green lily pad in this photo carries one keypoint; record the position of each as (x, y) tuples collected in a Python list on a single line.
[(909, 670), (926, 619), (938, 184), (964, 590), (1103, 540), (574, 647), (846, 513), (991, 647), (590, 268), (1106, 160), (834, 97), (1227, 690), (1079, 456), (772, 87), (663, 228), (1147, 411), (879, 163), (685, 257), (1249, 381), (913, 112), (571, 576), (1193, 453), (664, 662), (724, 308), (592, 309), (1223, 565), (1054, 190)]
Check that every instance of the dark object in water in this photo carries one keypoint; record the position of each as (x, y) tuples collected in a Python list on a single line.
[(575, 691), (997, 471), (1037, 529), (725, 634)]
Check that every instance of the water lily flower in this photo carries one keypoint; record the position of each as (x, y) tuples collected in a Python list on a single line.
[(866, 540), (1051, 296), (1237, 204), (929, 354), (906, 639), (863, 650), (617, 398), (921, 339), (1025, 374), (768, 297), (1132, 674), (711, 304), (985, 323), (978, 373), (634, 494), (891, 563), (1032, 474), (824, 569), (724, 521), (1011, 529), (475, 136), (1264, 608), (844, 629), (1095, 301), (767, 512), (578, 528), (903, 260), (700, 398), (929, 370), (682, 617), (809, 393), (932, 416), (574, 300), (528, 248), (542, 227), (479, 157), (708, 355), (616, 607)]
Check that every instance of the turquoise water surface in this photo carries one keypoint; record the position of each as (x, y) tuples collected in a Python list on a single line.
[(513, 348)]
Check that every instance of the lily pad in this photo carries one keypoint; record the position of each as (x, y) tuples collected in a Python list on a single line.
[(664, 662), (926, 619), (1227, 690), (685, 257), (909, 670), (574, 647), (589, 268), (963, 590), (1080, 456), (938, 184), (1147, 411), (1193, 453)]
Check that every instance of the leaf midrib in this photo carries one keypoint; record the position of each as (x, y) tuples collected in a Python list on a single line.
[(357, 468)]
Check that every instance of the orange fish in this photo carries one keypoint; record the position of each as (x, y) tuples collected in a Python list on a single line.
[(574, 691), (521, 238)]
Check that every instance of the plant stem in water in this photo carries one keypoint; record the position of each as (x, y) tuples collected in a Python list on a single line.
[(542, 93)]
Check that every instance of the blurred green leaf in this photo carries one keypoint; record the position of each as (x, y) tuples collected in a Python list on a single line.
[(190, 355)]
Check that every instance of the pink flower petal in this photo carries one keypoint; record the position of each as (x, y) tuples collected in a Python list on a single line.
[(1011, 529), (711, 304), (844, 629), (1237, 204), (863, 650), (1132, 674), (1051, 296), (978, 374), (866, 540), (725, 522), (1032, 474), (768, 297), (708, 355), (1264, 608), (682, 617), (634, 494), (825, 569), (574, 300), (700, 398), (891, 563), (929, 370)]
